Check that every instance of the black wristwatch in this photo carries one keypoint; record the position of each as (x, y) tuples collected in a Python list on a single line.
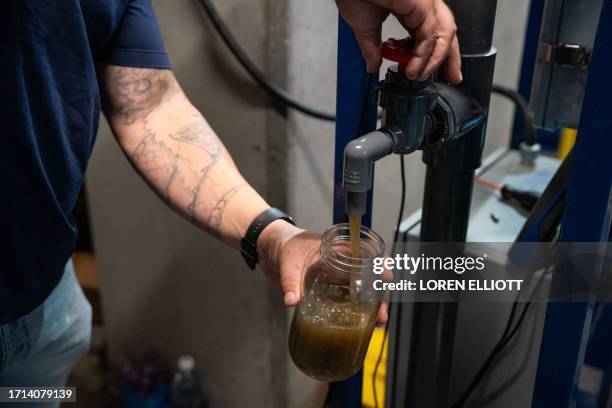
[(248, 244)]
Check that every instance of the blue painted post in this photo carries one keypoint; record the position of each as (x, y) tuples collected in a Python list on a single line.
[(586, 219), (599, 356), (352, 79)]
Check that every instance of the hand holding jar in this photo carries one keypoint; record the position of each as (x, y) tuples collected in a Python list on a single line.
[(333, 323)]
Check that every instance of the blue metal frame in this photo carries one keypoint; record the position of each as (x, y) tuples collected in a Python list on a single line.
[(352, 79), (586, 219), (599, 357)]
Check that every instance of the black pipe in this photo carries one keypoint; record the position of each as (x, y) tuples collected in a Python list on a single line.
[(475, 20), (446, 205)]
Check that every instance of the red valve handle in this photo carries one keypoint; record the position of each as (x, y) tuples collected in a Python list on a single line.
[(398, 50)]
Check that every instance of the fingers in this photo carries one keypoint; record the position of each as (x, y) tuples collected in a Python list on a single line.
[(298, 255), (442, 46), (365, 18), (420, 19), (453, 63), (290, 283), (383, 314), (446, 47), (370, 43), (434, 29), (430, 21), (383, 311)]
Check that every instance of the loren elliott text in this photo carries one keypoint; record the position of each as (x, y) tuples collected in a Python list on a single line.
[(450, 285)]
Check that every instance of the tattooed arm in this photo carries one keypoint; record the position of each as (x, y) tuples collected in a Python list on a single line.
[(174, 149)]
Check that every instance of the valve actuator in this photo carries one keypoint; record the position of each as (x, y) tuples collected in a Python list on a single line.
[(416, 115)]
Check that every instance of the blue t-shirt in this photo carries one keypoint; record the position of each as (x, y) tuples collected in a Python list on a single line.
[(49, 112)]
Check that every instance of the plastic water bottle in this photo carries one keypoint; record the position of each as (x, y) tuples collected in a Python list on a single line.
[(186, 391)]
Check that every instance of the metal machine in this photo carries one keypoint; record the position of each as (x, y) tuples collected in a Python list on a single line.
[(448, 124)]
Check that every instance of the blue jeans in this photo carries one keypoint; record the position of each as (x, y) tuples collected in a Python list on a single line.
[(40, 348)]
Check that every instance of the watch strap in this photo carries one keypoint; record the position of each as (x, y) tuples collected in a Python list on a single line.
[(248, 244)]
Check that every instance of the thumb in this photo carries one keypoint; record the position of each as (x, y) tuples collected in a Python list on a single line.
[(290, 281), (370, 44)]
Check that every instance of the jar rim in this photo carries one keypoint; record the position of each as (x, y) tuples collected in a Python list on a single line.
[(353, 265)]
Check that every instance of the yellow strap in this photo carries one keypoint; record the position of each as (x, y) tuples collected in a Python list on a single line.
[(367, 393), (567, 138)]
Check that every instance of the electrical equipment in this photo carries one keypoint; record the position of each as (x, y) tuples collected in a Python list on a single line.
[(492, 219)]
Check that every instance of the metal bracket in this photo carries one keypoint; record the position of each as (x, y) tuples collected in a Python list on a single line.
[(566, 55)]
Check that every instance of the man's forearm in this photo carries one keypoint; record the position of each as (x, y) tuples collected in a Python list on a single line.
[(175, 150)]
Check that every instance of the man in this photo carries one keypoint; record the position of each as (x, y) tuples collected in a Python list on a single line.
[(64, 61)]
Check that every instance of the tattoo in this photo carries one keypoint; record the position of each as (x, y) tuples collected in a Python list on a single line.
[(172, 175), (165, 168), (195, 193), (216, 214), (198, 134), (156, 159), (135, 92)]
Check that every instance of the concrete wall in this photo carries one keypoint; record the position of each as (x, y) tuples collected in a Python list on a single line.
[(165, 284)]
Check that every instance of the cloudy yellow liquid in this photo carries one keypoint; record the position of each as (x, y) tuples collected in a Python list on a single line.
[(330, 335), (354, 231)]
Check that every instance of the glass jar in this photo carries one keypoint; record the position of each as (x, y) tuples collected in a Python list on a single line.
[(333, 323)]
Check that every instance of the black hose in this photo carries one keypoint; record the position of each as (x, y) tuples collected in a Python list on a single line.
[(521, 104), (255, 73), (364, 107)]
